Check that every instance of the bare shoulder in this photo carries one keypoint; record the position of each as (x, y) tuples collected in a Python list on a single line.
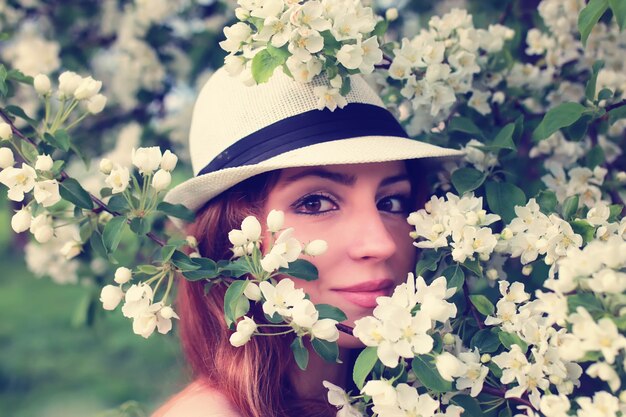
[(197, 400)]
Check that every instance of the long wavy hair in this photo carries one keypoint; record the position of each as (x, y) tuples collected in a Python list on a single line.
[(254, 377)]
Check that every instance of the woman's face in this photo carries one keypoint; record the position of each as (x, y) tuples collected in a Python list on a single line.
[(360, 210)]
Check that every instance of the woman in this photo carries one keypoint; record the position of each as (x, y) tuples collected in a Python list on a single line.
[(340, 176)]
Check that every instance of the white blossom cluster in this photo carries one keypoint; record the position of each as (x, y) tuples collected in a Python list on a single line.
[(532, 234), (480, 159), (302, 27), (440, 63), (560, 151), (458, 222), (30, 52), (55, 257), (533, 322), (580, 181), (281, 298), (153, 165), (405, 400), (139, 304), (396, 330), (463, 366)]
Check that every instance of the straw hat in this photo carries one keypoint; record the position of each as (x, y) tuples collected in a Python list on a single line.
[(239, 131)]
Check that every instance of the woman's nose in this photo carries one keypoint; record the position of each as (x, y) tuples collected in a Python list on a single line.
[(370, 236)]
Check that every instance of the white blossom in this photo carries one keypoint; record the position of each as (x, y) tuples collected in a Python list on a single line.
[(6, 132), (111, 296), (118, 179), (18, 180), (6, 158), (47, 193), (122, 275), (245, 328), (161, 180), (147, 160), (20, 221), (42, 84)]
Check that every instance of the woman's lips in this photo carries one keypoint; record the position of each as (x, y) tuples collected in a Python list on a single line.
[(366, 293)]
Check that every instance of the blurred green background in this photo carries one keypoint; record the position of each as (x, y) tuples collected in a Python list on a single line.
[(51, 366)]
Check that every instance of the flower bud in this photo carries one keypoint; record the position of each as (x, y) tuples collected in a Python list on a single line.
[(316, 247), (110, 296), (275, 220), (506, 233), (68, 82), (6, 158), (527, 270), (123, 275), (252, 292), (167, 313), (161, 180), (448, 339), (325, 329), (87, 88), (71, 249), (237, 238), (20, 221), (192, 241), (106, 166), (44, 163), (147, 160), (621, 177), (492, 274), (391, 14), (42, 85), (168, 161), (6, 132), (96, 104), (485, 357)]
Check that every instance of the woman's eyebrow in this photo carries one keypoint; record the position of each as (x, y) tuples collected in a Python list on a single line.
[(337, 177), (394, 179)]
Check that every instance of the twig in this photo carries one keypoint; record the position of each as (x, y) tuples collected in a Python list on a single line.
[(345, 329)]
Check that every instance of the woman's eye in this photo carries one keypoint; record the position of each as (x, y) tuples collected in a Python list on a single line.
[(315, 204), (393, 204)]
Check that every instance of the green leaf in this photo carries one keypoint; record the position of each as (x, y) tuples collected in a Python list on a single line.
[(482, 304), (502, 197), (117, 203), (547, 201), (590, 88), (465, 125), (616, 212), (29, 151), (426, 371), (235, 269), (556, 118), (329, 351), (587, 300), (594, 157), (326, 311), (85, 231), (510, 339), (381, 28), (470, 405), (301, 268), (19, 76), (300, 353), (570, 207), (467, 179), (112, 233), (148, 269), (330, 43), (589, 16), (619, 11), (363, 366), (486, 341), (177, 210), (605, 94), (617, 114), (266, 61), (17, 111), (95, 241), (3, 78), (503, 140), (234, 307), (454, 276), (63, 139), (428, 262), (208, 269), (584, 229), (140, 225), (578, 130), (183, 262), (473, 266), (345, 86), (73, 192), (166, 252), (506, 412)]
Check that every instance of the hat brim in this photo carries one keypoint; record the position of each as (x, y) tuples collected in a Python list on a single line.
[(195, 192)]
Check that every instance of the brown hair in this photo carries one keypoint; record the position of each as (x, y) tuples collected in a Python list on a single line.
[(254, 376)]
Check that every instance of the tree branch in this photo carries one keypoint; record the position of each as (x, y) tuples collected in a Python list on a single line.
[(101, 206)]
